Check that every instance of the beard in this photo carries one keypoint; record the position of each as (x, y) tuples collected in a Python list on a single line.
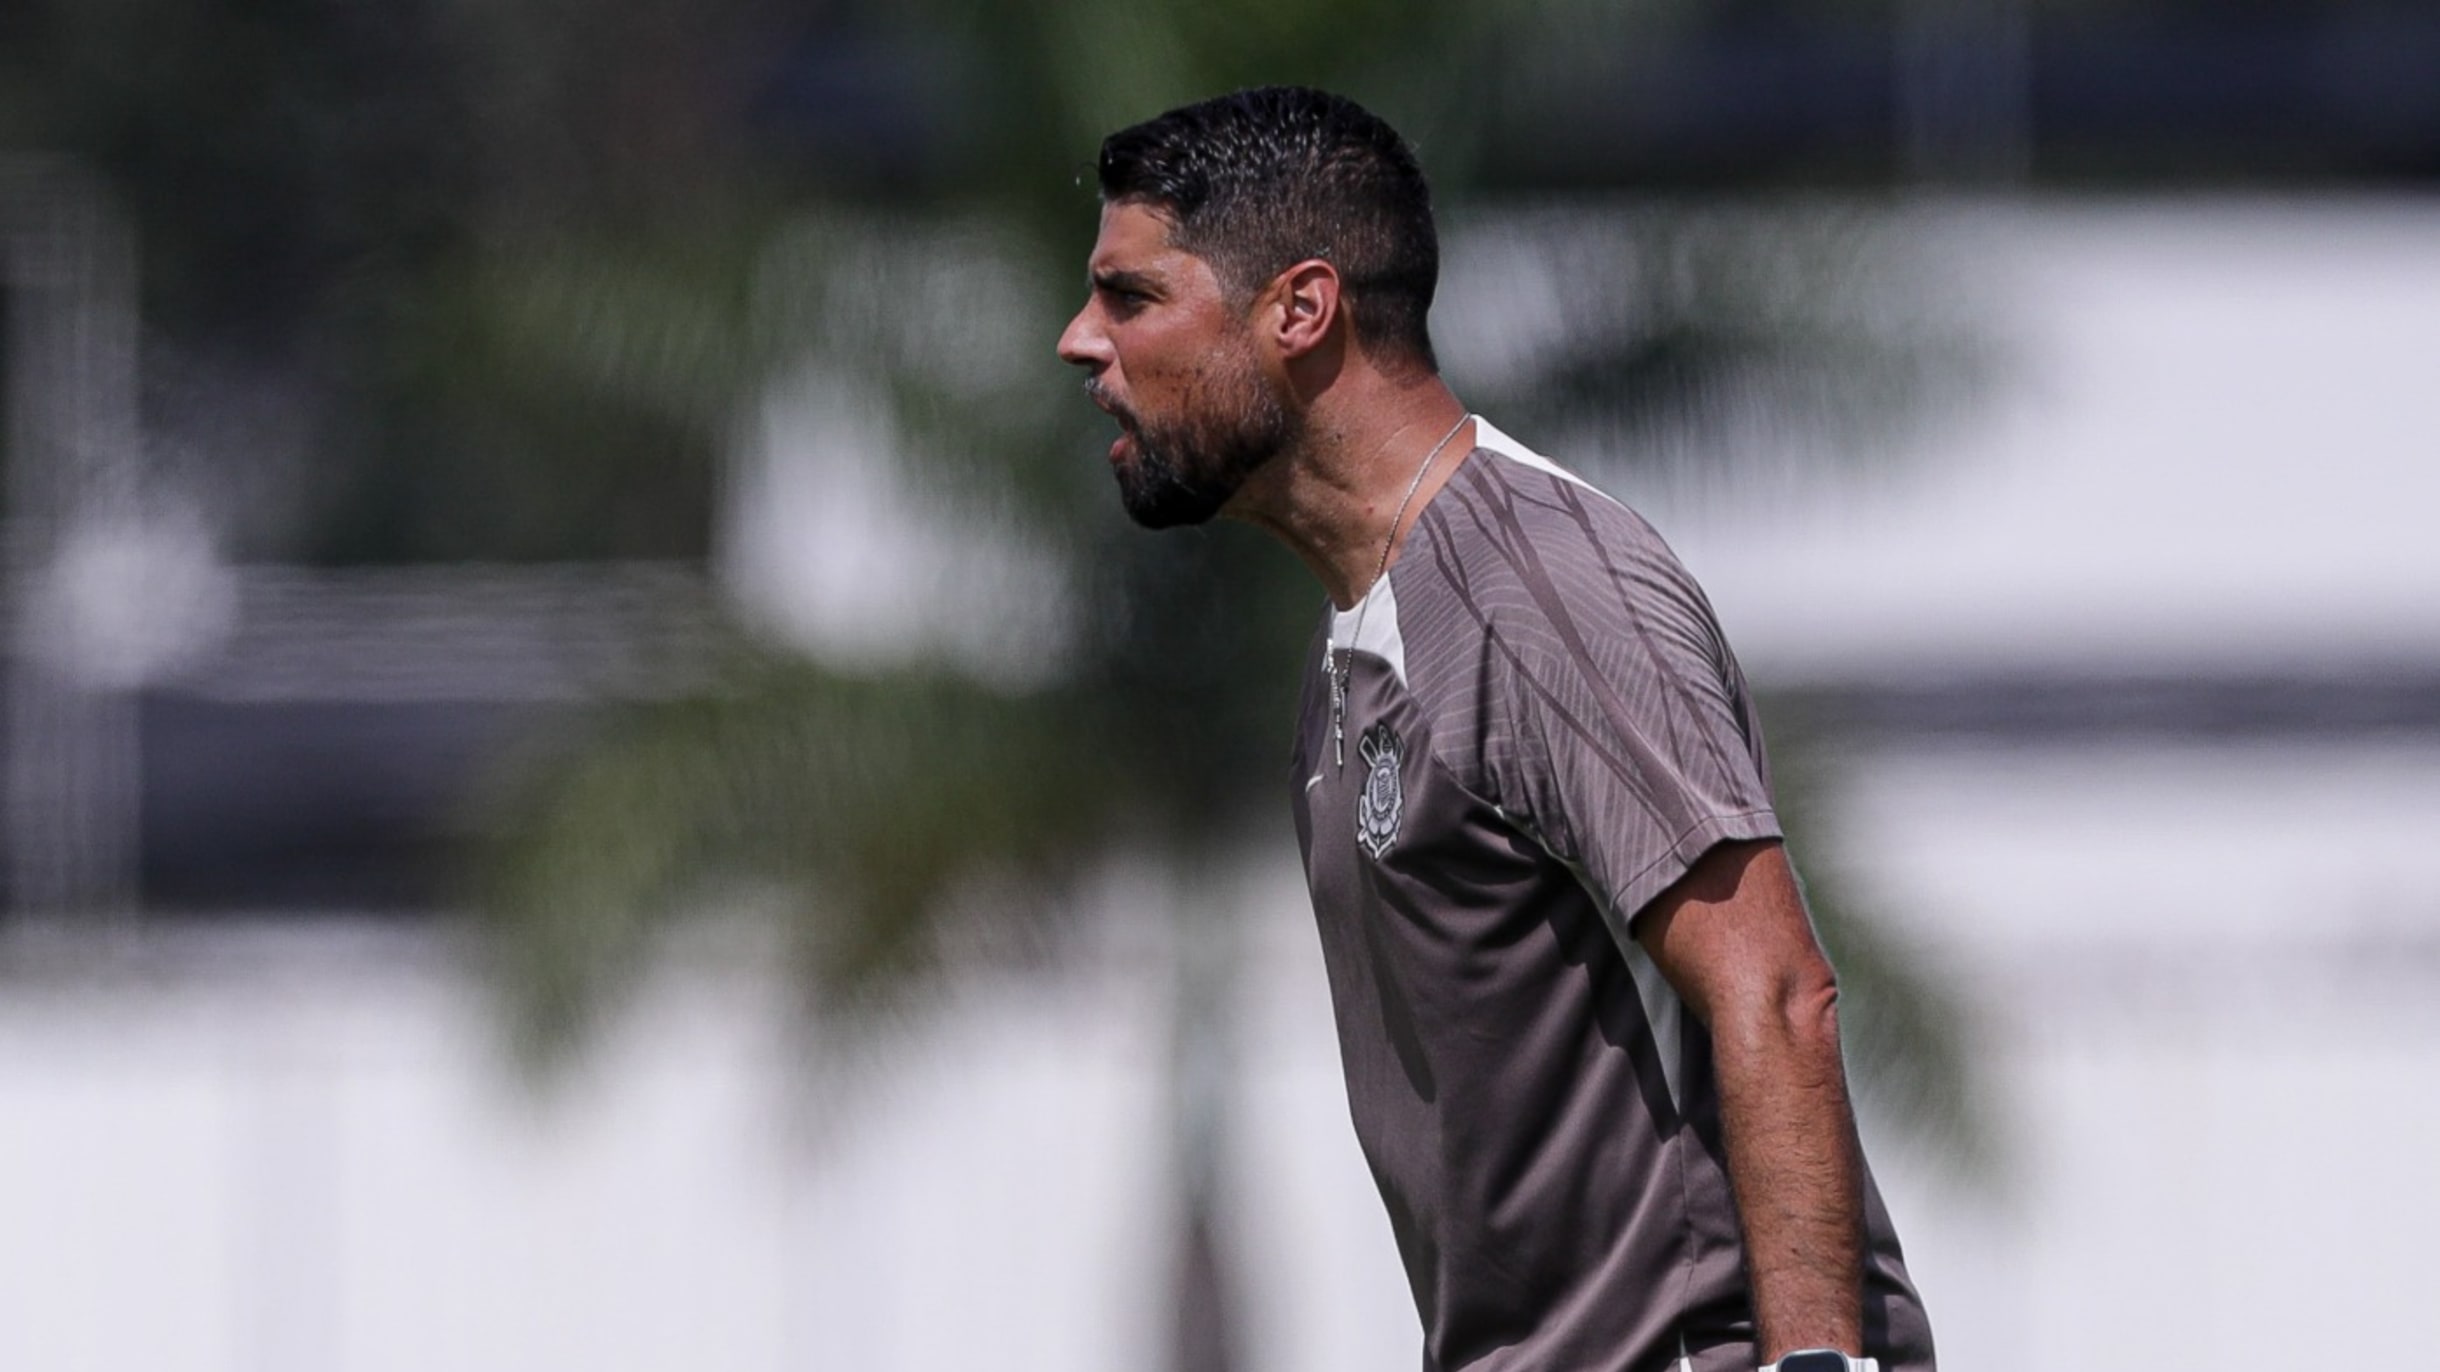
[(1185, 469)]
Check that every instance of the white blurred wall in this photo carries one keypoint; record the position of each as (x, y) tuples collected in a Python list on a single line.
[(2210, 446)]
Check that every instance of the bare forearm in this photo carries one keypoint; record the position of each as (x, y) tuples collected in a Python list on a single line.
[(1734, 939), (1797, 1170)]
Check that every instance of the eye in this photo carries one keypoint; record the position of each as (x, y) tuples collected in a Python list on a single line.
[(1122, 294)]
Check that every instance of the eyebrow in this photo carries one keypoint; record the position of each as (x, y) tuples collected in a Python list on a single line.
[(1116, 279)]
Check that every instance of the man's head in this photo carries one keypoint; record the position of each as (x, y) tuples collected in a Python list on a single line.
[(1261, 180), (1208, 211)]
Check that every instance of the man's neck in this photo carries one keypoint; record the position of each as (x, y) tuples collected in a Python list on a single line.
[(1333, 496)]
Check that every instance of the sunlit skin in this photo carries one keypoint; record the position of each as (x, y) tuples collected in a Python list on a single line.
[(1166, 352), (1164, 349), (1734, 939), (1195, 414)]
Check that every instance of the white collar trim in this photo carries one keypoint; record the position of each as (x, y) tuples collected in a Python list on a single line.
[(1371, 626)]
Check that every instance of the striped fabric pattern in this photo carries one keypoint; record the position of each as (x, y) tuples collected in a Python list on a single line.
[(1544, 730)]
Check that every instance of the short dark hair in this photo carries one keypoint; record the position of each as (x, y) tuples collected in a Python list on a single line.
[(1261, 180)]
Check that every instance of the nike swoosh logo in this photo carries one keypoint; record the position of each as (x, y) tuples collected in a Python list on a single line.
[(1313, 781)]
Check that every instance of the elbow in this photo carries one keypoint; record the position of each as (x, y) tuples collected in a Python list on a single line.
[(1786, 1031), (1808, 1001), (1797, 1008)]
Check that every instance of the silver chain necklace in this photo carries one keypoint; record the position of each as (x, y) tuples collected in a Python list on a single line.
[(1339, 663)]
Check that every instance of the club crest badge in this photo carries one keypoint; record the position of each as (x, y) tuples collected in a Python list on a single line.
[(1384, 795)]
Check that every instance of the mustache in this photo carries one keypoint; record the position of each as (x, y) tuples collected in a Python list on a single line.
[(1110, 404)]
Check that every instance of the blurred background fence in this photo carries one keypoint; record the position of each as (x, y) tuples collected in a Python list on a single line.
[(593, 775)]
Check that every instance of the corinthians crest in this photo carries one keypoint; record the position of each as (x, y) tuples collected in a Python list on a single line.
[(1384, 795)]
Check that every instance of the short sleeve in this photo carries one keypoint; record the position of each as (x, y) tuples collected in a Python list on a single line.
[(1633, 742)]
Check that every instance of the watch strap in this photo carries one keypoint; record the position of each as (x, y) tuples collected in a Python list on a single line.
[(1820, 1360)]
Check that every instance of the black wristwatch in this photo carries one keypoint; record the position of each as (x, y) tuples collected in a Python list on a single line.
[(1820, 1360)]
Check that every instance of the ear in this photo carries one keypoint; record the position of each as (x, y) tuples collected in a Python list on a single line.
[(1301, 308)]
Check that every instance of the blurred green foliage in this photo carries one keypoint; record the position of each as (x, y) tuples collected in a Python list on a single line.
[(521, 272)]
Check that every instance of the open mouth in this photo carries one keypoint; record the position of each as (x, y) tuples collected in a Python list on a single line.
[(1125, 442), (1102, 402)]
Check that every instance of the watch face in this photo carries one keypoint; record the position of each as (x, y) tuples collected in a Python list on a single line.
[(1814, 1360)]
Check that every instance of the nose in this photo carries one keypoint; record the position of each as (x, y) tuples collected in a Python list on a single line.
[(1082, 343)]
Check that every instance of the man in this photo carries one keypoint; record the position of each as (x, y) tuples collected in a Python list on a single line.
[(1590, 1040)]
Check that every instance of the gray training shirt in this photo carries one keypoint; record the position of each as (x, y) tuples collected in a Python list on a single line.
[(1543, 730)]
